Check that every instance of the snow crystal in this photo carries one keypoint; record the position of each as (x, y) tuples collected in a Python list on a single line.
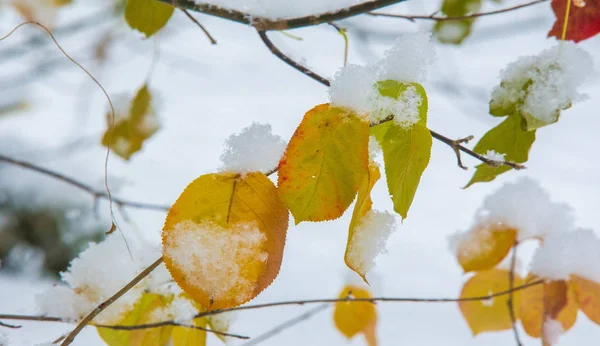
[(277, 9), (494, 156), (562, 254), (554, 76), (354, 86), (551, 331), (214, 258), (369, 239), (253, 149), (181, 310), (526, 206), (98, 273)]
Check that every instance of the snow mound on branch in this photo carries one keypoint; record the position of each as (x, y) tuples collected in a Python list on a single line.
[(494, 156), (353, 86), (255, 148), (562, 254), (527, 207), (554, 76)]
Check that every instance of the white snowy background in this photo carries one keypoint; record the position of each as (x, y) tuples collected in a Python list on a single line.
[(207, 92)]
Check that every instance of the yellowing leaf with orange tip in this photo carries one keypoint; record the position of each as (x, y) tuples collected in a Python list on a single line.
[(362, 206), (553, 300), (491, 314), (223, 238), (142, 313), (588, 297), (351, 318), (324, 163), (484, 246)]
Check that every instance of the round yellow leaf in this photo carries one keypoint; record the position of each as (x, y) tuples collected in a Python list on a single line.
[(483, 247), (352, 318)]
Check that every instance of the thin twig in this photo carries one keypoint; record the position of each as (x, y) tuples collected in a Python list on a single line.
[(87, 319), (371, 300), (210, 38), (81, 186), (165, 324), (434, 17), (266, 24), (342, 31), (12, 326), (455, 144), (286, 325), (509, 302)]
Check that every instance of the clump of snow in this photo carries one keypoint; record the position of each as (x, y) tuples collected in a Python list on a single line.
[(544, 84), (374, 149), (98, 273), (527, 207), (476, 241), (562, 254), (354, 87), (369, 239), (494, 156), (181, 310), (256, 148), (551, 331), (215, 259)]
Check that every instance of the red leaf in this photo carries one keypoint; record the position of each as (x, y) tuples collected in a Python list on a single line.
[(584, 19)]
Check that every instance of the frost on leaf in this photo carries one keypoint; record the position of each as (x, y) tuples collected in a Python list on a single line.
[(352, 318), (147, 16), (256, 148), (492, 314), (369, 229), (223, 238), (536, 88), (133, 126), (554, 300), (324, 163), (584, 19), (483, 246), (455, 31)]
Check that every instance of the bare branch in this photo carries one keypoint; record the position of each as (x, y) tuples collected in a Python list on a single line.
[(210, 38), (69, 339), (511, 282), (444, 18), (165, 324), (266, 24), (6, 325)]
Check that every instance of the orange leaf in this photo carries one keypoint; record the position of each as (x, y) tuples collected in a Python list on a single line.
[(584, 19), (588, 297), (223, 238), (552, 300), (324, 163), (483, 247), (352, 318), (492, 314)]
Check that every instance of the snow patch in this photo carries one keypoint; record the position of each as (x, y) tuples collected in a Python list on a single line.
[(552, 330)]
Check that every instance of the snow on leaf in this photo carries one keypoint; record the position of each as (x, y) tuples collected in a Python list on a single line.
[(588, 297), (130, 131), (142, 313), (455, 31), (406, 154), (221, 323), (407, 102), (584, 21), (553, 300), (223, 238), (488, 315), (508, 138), (324, 163), (483, 246), (352, 318), (147, 16)]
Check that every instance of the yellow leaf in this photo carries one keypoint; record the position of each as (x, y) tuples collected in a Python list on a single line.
[(551, 300), (492, 314), (147, 16), (219, 323), (351, 318), (184, 336), (324, 163), (129, 132), (141, 313), (223, 238), (362, 206), (588, 297), (483, 247)]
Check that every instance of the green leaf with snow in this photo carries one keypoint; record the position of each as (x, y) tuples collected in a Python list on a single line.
[(147, 16), (456, 31), (406, 153), (398, 91), (507, 138)]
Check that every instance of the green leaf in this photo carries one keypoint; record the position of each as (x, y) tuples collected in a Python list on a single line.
[(507, 138), (394, 89), (406, 154), (456, 31), (147, 16)]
